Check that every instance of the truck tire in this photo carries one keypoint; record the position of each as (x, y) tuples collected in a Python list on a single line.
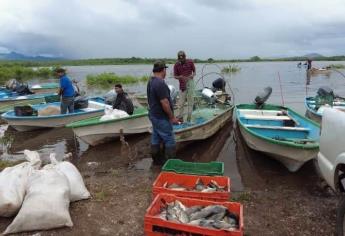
[(340, 224)]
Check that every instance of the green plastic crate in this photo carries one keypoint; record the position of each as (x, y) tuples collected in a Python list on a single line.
[(194, 168)]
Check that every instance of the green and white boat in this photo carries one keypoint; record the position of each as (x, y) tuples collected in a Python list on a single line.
[(279, 132), (93, 131)]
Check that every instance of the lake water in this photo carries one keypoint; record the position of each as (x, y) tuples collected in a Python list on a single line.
[(245, 84)]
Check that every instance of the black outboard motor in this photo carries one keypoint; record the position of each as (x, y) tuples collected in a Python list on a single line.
[(23, 89), (262, 97), (81, 102), (219, 84), (325, 91)]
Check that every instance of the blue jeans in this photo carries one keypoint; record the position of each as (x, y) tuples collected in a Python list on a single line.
[(67, 103), (162, 132)]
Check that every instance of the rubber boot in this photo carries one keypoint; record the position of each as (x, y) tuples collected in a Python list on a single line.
[(157, 155), (170, 152)]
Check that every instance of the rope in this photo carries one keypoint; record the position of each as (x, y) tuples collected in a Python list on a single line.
[(281, 89)]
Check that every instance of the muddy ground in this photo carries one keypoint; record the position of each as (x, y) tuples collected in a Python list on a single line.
[(275, 201)]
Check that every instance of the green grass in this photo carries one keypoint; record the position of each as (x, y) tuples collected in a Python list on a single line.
[(337, 66), (22, 73), (106, 79), (100, 196), (4, 164), (230, 69)]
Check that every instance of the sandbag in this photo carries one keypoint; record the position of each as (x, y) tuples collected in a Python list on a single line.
[(46, 203), (49, 110), (13, 181), (76, 182), (111, 114)]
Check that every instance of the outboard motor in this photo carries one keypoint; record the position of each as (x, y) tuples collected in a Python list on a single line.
[(218, 84), (173, 93), (209, 95), (325, 95), (262, 97), (12, 84), (81, 102), (110, 97), (325, 91)]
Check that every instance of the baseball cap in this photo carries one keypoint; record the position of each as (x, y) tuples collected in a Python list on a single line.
[(158, 66)]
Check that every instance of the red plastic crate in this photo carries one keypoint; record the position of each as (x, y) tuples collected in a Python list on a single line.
[(189, 182), (155, 226)]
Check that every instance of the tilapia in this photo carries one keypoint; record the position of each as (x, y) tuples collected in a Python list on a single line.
[(176, 187), (223, 225), (199, 185), (207, 211), (217, 217), (193, 209)]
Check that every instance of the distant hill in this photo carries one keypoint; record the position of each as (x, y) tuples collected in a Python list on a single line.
[(14, 56), (313, 55)]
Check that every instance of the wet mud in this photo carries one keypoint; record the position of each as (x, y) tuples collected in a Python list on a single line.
[(119, 176)]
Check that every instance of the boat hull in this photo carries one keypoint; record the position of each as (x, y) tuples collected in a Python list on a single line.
[(204, 131), (100, 133), (313, 116), (48, 122)]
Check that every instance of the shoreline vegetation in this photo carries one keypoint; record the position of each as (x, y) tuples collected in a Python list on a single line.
[(139, 60), (106, 79), (231, 69), (22, 73), (337, 66)]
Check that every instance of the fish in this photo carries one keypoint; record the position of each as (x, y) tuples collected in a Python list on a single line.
[(222, 225), (176, 187), (193, 209), (209, 190), (218, 216), (207, 211), (199, 185)]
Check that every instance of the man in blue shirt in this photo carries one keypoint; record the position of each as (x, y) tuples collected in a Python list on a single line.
[(161, 115), (66, 91)]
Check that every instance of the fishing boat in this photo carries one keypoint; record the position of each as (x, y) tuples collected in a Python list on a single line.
[(93, 131), (8, 101), (44, 88), (206, 121), (279, 132), (320, 71), (95, 107), (315, 111)]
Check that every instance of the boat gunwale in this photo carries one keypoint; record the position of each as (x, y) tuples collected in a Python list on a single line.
[(309, 108), (203, 124), (275, 141)]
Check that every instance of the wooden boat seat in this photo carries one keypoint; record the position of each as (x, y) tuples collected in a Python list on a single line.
[(266, 117), (277, 127)]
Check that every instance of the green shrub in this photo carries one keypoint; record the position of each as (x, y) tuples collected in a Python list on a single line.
[(106, 79), (230, 69)]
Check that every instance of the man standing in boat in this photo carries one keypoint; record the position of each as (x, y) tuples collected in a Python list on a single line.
[(66, 91), (184, 72), (161, 115), (309, 61), (123, 102)]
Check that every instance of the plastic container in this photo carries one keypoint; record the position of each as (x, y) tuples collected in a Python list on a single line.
[(153, 225), (189, 181), (194, 168)]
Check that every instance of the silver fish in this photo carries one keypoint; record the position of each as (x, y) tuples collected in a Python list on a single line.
[(223, 225), (199, 185), (193, 209), (207, 211), (217, 217)]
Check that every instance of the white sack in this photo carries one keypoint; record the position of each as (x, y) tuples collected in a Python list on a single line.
[(111, 114), (13, 181), (76, 183), (46, 203)]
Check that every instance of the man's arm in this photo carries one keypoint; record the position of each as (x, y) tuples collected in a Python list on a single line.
[(166, 108)]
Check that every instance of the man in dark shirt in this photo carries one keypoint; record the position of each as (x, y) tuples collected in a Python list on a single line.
[(161, 115), (123, 102), (184, 72), (309, 61)]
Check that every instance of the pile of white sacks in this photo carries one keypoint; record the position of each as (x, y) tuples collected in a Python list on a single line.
[(39, 196), (111, 114)]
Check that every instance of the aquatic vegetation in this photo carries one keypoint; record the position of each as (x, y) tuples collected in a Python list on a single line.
[(337, 66), (231, 69), (106, 79), (5, 164), (22, 73)]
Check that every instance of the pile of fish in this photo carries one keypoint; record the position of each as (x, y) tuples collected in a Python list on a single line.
[(212, 216), (199, 186)]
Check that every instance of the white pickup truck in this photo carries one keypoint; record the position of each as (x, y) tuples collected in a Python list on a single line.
[(331, 158)]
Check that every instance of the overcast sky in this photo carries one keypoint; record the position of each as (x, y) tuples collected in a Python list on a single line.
[(158, 28)]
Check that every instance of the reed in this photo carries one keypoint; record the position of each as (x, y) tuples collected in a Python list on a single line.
[(106, 79)]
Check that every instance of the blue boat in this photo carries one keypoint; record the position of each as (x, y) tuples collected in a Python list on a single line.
[(314, 110), (95, 107), (279, 132)]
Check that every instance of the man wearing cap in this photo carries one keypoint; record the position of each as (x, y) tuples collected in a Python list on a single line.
[(66, 91), (184, 72), (161, 115)]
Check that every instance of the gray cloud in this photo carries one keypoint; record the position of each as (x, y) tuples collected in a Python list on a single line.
[(152, 28)]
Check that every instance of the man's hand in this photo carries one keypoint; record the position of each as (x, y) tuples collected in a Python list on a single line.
[(175, 121)]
